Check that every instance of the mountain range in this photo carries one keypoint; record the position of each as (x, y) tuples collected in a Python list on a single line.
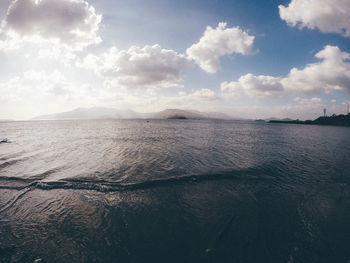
[(109, 113)]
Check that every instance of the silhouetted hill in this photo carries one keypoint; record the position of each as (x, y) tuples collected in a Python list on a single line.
[(339, 120), (277, 119), (336, 120)]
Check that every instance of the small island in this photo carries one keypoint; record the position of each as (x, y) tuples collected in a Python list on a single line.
[(177, 117), (334, 120)]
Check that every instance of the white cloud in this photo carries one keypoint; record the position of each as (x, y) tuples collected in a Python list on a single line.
[(48, 87), (329, 16), (34, 85), (205, 94), (148, 67), (307, 101), (72, 24), (332, 73), (254, 85), (200, 95), (219, 42)]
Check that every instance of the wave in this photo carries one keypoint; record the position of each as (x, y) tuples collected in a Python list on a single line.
[(106, 186), (12, 160), (8, 163)]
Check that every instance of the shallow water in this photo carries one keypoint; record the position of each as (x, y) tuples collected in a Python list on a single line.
[(174, 191)]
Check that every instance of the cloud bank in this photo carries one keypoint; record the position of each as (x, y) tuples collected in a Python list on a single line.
[(200, 95), (219, 42), (329, 16), (331, 73), (35, 85)]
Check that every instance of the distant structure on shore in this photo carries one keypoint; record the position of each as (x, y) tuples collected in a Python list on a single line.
[(324, 112)]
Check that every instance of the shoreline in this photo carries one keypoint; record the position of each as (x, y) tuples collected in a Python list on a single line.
[(334, 120)]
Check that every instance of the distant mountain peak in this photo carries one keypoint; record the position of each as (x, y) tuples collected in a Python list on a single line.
[(90, 113)]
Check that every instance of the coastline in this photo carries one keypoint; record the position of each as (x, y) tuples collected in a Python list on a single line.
[(334, 120)]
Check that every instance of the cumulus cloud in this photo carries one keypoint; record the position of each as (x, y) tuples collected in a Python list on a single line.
[(219, 42), (254, 85), (331, 73), (149, 66), (73, 24), (329, 16)]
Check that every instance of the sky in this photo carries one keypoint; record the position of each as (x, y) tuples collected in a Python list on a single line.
[(245, 58)]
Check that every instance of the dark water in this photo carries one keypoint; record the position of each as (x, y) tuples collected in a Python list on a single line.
[(174, 191)]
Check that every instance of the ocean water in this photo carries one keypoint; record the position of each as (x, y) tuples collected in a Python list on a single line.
[(174, 191)]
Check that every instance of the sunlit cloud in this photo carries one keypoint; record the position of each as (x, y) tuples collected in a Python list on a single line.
[(331, 73), (251, 85), (69, 24), (328, 16), (33, 85), (218, 42), (138, 67)]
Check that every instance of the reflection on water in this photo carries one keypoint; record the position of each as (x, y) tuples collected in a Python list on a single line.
[(174, 191)]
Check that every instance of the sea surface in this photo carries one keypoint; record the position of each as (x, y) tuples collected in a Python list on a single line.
[(174, 191)]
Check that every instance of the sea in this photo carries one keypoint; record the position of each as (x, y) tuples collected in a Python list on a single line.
[(174, 191)]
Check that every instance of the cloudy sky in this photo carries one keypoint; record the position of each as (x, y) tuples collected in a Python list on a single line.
[(246, 58)]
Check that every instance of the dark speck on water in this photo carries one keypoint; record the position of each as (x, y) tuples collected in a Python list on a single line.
[(5, 140), (174, 191)]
